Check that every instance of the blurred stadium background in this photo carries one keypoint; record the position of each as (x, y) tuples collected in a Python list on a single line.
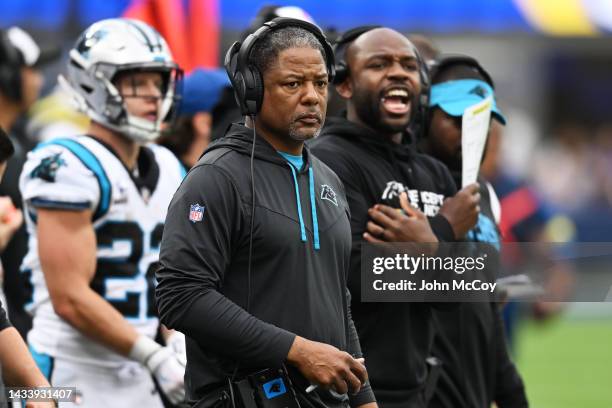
[(552, 63)]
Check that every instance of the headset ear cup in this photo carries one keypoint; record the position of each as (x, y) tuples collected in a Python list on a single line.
[(235, 76), (423, 100), (425, 78), (259, 89), (251, 91), (339, 50), (240, 91), (341, 72)]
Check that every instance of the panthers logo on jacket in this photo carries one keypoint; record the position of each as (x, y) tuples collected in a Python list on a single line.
[(327, 193)]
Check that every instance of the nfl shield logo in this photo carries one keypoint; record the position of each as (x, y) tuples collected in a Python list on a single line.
[(196, 213)]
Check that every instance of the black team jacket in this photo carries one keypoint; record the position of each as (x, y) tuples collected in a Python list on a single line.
[(301, 251), (395, 338), (470, 340)]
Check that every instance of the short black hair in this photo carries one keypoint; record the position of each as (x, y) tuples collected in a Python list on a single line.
[(6, 146), (265, 53)]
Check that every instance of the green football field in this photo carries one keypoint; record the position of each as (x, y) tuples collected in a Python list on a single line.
[(567, 363)]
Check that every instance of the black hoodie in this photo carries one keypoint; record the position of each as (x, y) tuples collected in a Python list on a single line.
[(470, 339), (301, 249), (395, 337)]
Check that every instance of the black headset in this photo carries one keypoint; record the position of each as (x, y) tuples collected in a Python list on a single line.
[(10, 68), (246, 79), (340, 46)]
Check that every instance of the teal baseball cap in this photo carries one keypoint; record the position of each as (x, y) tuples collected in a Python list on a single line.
[(454, 97)]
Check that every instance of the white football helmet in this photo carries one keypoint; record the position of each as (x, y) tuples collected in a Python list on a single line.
[(107, 48)]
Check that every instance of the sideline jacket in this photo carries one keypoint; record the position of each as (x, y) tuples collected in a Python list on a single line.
[(395, 337), (470, 339), (301, 250)]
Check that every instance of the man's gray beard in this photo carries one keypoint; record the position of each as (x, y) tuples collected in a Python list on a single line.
[(293, 134)]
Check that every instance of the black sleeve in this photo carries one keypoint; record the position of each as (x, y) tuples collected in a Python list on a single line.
[(442, 228), (509, 388), (193, 259), (365, 395), (4, 321)]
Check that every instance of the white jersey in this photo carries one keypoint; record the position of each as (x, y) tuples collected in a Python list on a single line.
[(81, 173)]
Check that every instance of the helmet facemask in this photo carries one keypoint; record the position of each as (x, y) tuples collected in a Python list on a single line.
[(134, 126)]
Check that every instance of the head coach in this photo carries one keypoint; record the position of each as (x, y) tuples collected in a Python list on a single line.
[(256, 246)]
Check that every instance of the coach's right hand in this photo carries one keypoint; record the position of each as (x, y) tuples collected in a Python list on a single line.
[(326, 366), (462, 209)]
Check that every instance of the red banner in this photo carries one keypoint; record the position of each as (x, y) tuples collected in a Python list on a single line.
[(190, 27)]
